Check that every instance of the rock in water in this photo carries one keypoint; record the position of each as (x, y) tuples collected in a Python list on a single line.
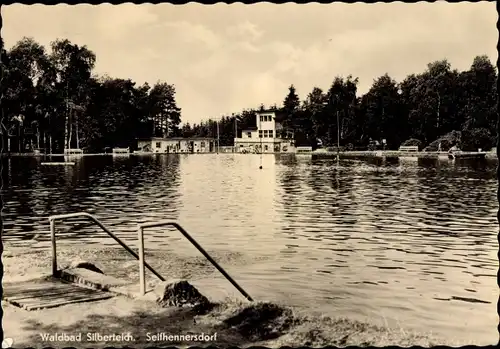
[(84, 265), (179, 293)]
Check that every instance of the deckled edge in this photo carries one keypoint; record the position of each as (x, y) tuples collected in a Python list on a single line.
[(205, 2)]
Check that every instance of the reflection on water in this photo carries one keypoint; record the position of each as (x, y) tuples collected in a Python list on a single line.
[(410, 240)]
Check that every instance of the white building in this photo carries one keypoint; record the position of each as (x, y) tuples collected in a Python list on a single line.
[(177, 145), (266, 137)]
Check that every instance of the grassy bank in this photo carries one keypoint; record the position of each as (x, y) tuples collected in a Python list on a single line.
[(235, 322)]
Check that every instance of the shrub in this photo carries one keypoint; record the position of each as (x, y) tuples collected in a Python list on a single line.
[(447, 141), (476, 138)]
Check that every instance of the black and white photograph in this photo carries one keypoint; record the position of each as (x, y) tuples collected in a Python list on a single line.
[(236, 175)]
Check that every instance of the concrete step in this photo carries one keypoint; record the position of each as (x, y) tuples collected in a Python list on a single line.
[(88, 278)]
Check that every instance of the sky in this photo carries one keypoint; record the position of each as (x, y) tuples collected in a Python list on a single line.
[(226, 58)]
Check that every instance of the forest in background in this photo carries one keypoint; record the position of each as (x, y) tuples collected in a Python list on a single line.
[(52, 99), (439, 105)]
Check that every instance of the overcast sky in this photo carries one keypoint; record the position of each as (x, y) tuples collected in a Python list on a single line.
[(224, 58)]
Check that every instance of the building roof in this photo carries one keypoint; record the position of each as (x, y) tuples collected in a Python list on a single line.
[(279, 114), (266, 111)]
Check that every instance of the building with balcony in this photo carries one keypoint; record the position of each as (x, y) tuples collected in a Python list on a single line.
[(268, 136)]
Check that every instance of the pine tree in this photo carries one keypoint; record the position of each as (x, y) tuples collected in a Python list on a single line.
[(291, 106)]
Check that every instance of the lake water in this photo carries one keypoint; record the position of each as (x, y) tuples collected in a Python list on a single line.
[(403, 242)]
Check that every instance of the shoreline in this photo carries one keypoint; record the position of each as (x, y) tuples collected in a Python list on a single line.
[(346, 154), (236, 322)]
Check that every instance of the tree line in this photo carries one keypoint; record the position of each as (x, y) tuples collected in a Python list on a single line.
[(440, 106), (52, 100)]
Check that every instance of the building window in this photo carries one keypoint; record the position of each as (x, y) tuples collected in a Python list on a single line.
[(158, 145), (260, 133), (271, 134), (261, 118), (249, 134), (265, 133), (202, 144), (265, 147)]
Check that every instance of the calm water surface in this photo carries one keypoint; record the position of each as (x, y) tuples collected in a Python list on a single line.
[(410, 243)]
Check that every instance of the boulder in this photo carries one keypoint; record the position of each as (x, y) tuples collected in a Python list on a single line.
[(179, 293), (84, 265)]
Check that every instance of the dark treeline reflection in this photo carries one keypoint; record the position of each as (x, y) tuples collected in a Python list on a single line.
[(380, 200), (113, 188)]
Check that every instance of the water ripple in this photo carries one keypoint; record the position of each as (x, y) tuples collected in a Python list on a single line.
[(378, 238)]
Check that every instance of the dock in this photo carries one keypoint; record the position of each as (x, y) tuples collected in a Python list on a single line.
[(401, 154), (121, 151), (49, 292), (467, 155)]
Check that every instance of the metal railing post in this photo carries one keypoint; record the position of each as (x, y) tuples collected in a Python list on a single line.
[(142, 280), (53, 241), (52, 220), (140, 257), (199, 248), (211, 260)]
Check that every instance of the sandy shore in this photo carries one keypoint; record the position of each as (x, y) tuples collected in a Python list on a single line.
[(235, 322)]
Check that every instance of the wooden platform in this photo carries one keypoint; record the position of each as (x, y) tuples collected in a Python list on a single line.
[(466, 155), (66, 163), (49, 292)]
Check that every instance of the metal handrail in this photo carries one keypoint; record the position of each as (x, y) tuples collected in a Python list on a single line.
[(54, 218), (142, 281)]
